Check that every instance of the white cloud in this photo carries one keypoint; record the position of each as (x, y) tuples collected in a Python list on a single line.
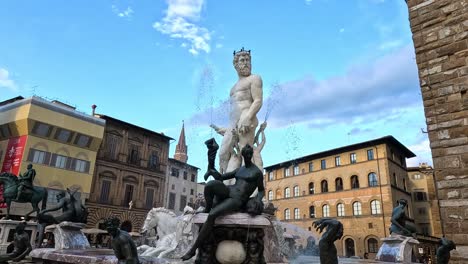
[(181, 22), (422, 150), (127, 13), (308, 2), (6, 81), (390, 44), (341, 30), (219, 45)]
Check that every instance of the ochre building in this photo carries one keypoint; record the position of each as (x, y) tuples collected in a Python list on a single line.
[(59, 141), (359, 185), (130, 174)]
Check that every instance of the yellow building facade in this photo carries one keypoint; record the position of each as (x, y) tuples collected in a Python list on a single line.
[(59, 141), (358, 185)]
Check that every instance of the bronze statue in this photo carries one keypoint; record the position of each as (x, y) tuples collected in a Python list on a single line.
[(26, 182), (399, 220), (327, 249), (124, 248), (221, 199), (22, 245), (443, 251), (72, 209)]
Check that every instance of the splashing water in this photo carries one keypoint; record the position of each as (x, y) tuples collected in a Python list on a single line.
[(292, 140), (276, 93)]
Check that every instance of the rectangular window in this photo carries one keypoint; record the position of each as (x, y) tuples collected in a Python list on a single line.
[(296, 170), (81, 165), (149, 197), (172, 198), (38, 156), (425, 229), (422, 211), (337, 161), (183, 202), (271, 176), (352, 158), (128, 194), (60, 161), (185, 175), (311, 166), (192, 178), (370, 154), (41, 129), (5, 131), (192, 192), (323, 164), (287, 172), (63, 135), (153, 160), (175, 172), (105, 190), (111, 146), (420, 196), (82, 140), (134, 157), (417, 176)]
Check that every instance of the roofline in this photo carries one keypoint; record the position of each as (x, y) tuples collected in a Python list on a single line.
[(106, 117), (178, 161), (387, 139), (11, 100)]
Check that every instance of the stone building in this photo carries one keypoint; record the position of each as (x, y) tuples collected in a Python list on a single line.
[(425, 203), (181, 188), (130, 174), (59, 141), (440, 35), (357, 184)]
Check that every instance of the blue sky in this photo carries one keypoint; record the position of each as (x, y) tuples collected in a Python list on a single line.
[(334, 72)]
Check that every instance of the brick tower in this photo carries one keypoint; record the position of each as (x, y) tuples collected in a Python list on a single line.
[(181, 148)]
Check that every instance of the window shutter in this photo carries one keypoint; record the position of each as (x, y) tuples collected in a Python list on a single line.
[(69, 162), (53, 160), (87, 166), (47, 158), (31, 154)]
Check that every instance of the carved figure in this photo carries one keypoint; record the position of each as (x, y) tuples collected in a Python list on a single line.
[(246, 98), (122, 243), (26, 182), (399, 220), (327, 249), (72, 209), (166, 223), (221, 199), (21, 243), (11, 185), (443, 251)]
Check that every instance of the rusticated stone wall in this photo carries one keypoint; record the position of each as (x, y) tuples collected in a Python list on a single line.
[(440, 35)]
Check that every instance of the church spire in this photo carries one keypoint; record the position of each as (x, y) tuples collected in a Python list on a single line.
[(181, 148)]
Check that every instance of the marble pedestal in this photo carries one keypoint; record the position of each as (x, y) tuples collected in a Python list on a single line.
[(239, 238), (397, 248), (68, 235)]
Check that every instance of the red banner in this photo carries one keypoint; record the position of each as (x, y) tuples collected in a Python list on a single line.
[(13, 157)]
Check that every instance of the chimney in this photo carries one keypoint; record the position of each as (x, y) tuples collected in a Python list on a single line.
[(94, 109)]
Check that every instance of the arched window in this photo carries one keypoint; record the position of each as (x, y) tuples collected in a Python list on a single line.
[(354, 182), (372, 245), (373, 180), (278, 194), (375, 207), (357, 208), (326, 211), (287, 192), (324, 185), (287, 214), (297, 213), (296, 191), (312, 211), (311, 188), (339, 184), (270, 195), (340, 209)]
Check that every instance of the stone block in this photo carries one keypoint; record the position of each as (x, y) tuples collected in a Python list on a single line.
[(442, 76), (447, 162), (452, 48), (457, 132), (463, 71), (453, 203), (437, 60), (445, 90), (457, 150), (450, 8), (451, 123), (453, 63), (443, 134)]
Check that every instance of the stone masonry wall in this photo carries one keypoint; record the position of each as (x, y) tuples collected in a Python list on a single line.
[(440, 31)]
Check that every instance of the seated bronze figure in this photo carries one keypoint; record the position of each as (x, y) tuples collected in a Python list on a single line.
[(221, 199), (21, 243), (124, 248)]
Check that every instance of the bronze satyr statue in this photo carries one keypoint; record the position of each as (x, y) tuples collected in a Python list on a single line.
[(124, 248), (443, 251), (327, 249), (22, 245), (72, 209), (399, 224), (221, 199)]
